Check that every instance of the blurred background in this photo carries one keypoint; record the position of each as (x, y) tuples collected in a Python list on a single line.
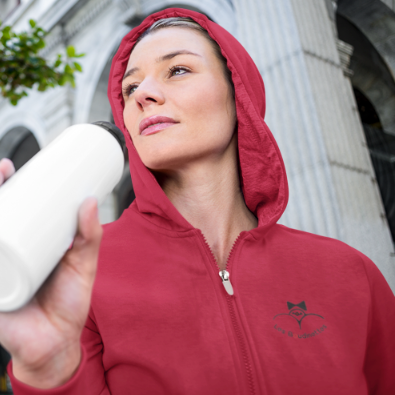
[(328, 68)]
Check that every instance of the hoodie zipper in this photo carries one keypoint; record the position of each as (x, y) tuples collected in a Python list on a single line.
[(225, 276)]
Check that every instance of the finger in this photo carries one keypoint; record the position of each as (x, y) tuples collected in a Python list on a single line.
[(7, 168)]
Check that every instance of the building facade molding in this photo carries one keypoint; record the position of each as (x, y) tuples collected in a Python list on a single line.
[(26, 119), (366, 15), (88, 81)]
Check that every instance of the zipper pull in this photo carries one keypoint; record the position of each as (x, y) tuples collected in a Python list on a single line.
[(226, 281)]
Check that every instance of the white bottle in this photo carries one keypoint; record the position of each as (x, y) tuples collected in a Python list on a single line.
[(39, 205)]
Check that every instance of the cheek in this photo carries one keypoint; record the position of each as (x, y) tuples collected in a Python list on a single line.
[(207, 103), (130, 116), (209, 113), (209, 117)]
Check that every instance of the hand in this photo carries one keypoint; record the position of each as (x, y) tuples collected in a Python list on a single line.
[(43, 337), (7, 169)]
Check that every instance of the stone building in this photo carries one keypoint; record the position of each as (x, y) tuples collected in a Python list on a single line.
[(328, 67)]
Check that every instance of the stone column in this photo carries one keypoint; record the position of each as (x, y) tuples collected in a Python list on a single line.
[(312, 113)]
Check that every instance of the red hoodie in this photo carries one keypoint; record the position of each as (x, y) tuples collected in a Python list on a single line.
[(309, 314)]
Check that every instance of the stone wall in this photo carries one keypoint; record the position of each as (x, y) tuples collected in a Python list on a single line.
[(312, 113)]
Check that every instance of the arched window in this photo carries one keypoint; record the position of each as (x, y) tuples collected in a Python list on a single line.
[(374, 90), (382, 152), (19, 145)]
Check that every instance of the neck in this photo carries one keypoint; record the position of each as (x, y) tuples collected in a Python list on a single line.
[(209, 197)]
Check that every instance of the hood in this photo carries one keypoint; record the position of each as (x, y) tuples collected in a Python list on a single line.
[(263, 178)]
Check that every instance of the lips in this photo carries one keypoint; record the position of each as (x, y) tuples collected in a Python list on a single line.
[(155, 124)]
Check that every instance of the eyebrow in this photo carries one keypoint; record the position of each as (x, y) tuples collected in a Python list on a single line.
[(168, 56)]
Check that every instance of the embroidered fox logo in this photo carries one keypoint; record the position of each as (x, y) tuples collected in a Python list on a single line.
[(297, 311)]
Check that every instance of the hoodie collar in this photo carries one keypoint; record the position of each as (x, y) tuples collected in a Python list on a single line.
[(262, 172)]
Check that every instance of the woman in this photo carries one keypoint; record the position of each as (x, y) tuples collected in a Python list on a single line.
[(198, 290)]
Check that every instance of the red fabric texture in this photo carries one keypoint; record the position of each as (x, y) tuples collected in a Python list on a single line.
[(309, 314)]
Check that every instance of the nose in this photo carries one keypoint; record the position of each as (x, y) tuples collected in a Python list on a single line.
[(148, 94)]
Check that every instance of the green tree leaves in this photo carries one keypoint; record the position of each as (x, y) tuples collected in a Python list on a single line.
[(21, 67), (70, 51)]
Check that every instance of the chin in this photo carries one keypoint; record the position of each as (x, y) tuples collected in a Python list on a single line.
[(165, 154), (177, 152), (166, 163)]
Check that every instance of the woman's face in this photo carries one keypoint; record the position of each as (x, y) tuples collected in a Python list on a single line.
[(174, 73)]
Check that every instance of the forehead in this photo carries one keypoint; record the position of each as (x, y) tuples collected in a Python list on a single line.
[(167, 40)]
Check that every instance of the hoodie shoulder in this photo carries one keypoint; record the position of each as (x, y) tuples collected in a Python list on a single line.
[(316, 241), (326, 251)]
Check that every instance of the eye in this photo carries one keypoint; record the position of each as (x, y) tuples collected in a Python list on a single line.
[(178, 70), (175, 70), (129, 89)]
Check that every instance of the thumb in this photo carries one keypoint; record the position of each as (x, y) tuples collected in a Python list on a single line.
[(89, 228), (85, 250)]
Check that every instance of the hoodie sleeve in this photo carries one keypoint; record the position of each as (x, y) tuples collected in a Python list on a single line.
[(380, 348), (89, 378)]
